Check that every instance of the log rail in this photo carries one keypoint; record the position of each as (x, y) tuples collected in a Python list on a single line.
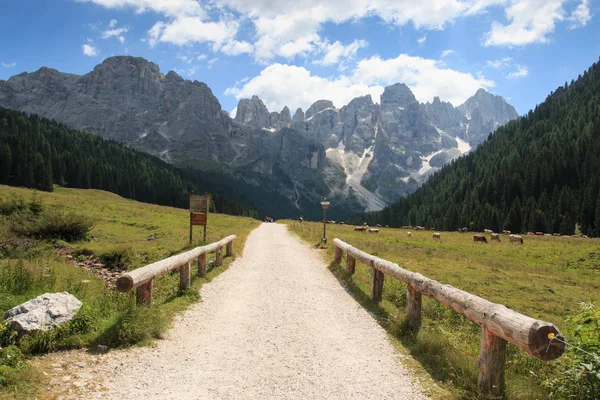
[(142, 278), (499, 324)]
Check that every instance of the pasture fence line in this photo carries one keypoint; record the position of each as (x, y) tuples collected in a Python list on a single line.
[(142, 278), (499, 324)]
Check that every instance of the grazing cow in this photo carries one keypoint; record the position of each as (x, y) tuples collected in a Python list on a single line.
[(539, 233), (360, 228), (516, 239), (488, 231), (464, 230), (506, 232), (479, 238), (496, 237), (419, 228), (373, 230), (378, 225), (342, 223), (529, 233), (387, 226), (331, 222), (556, 234), (300, 219), (437, 236), (409, 234)]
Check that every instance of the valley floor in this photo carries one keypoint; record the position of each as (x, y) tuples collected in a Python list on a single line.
[(276, 324)]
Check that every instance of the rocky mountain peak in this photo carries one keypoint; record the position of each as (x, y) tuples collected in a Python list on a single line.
[(317, 107), (253, 112), (298, 115), (398, 94)]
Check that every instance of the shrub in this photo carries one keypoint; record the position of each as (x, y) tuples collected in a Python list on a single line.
[(580, 375), (12, 205), (16, 279), (52, 225), (135, 325), (119, 258)]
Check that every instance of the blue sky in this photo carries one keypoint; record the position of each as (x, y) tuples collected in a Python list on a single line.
[(296, 52)]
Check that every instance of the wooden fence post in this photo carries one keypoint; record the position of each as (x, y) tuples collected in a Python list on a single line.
[(338, 255), (350, 264), (202, 265), (184, 276), (413, 308), (229, 249), (377, 286), (219, 259), (143, 293), (491, 364)]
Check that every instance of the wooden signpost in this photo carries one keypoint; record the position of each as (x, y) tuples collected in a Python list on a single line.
[(199, 212)]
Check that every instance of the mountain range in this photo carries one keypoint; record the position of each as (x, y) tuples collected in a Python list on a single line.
[(362, 156)]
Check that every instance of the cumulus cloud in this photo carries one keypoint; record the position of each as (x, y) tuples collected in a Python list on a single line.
[(116, 32), (89, 48), (335, 53), (426, 78), (531, 21), (519, 73), (507, 63), (8, 65), (581, 15)]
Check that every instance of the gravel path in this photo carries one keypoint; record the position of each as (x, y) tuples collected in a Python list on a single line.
[(276, 324)]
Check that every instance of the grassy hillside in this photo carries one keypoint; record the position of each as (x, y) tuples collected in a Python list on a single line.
[(548, 278), (134, 233)]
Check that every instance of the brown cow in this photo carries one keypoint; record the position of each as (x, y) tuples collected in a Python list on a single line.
[(479, 238), (409, 234), (437, 236), (360, 228), (496, 237)]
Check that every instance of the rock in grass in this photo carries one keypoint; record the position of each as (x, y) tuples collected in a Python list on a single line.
[(42, 313)]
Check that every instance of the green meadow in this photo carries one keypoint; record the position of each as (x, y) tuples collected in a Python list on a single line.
[(556, 279), (127, 235)]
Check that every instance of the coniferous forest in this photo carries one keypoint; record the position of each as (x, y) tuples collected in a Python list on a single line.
[(539, 173), (38, 153)]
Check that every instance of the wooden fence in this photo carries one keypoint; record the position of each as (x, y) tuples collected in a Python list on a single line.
[(499, 324), (142, 278)]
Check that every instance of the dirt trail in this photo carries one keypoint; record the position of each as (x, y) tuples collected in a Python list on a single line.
[(276, 324)]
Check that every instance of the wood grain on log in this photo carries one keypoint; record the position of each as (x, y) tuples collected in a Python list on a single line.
[(202, 265), (492, 355), (377, 285), (184, 276), (338, 255), (350, 264), (229, 249), (413, 308), (143, 293), (219, 259)]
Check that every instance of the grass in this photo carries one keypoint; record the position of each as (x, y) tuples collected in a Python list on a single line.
[(546, 278), (127, 234)]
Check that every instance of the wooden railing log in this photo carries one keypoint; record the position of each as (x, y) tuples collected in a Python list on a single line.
[(492, 355), (413, 308), (229, 249), (143, 293), (525, 332), (350, 264), (338, 255), (202, 265), (142, 276), (219, 259), (184, 276), (377, 285)]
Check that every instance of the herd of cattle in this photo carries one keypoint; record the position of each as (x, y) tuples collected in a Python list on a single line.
[(477, 238)]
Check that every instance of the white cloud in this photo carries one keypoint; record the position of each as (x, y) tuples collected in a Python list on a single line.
[(422, 40), (235, 48), (201, 57), (446, 53), (531, 21), (426, 78), (184, 30), (581, 15), (211, 62), (116, 32), (502, 63), (336, 52), (183, 58), (507, 63), (89, 48), (169, 8), (519, 73), (186, 71), (112, 23), (9, 65)]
